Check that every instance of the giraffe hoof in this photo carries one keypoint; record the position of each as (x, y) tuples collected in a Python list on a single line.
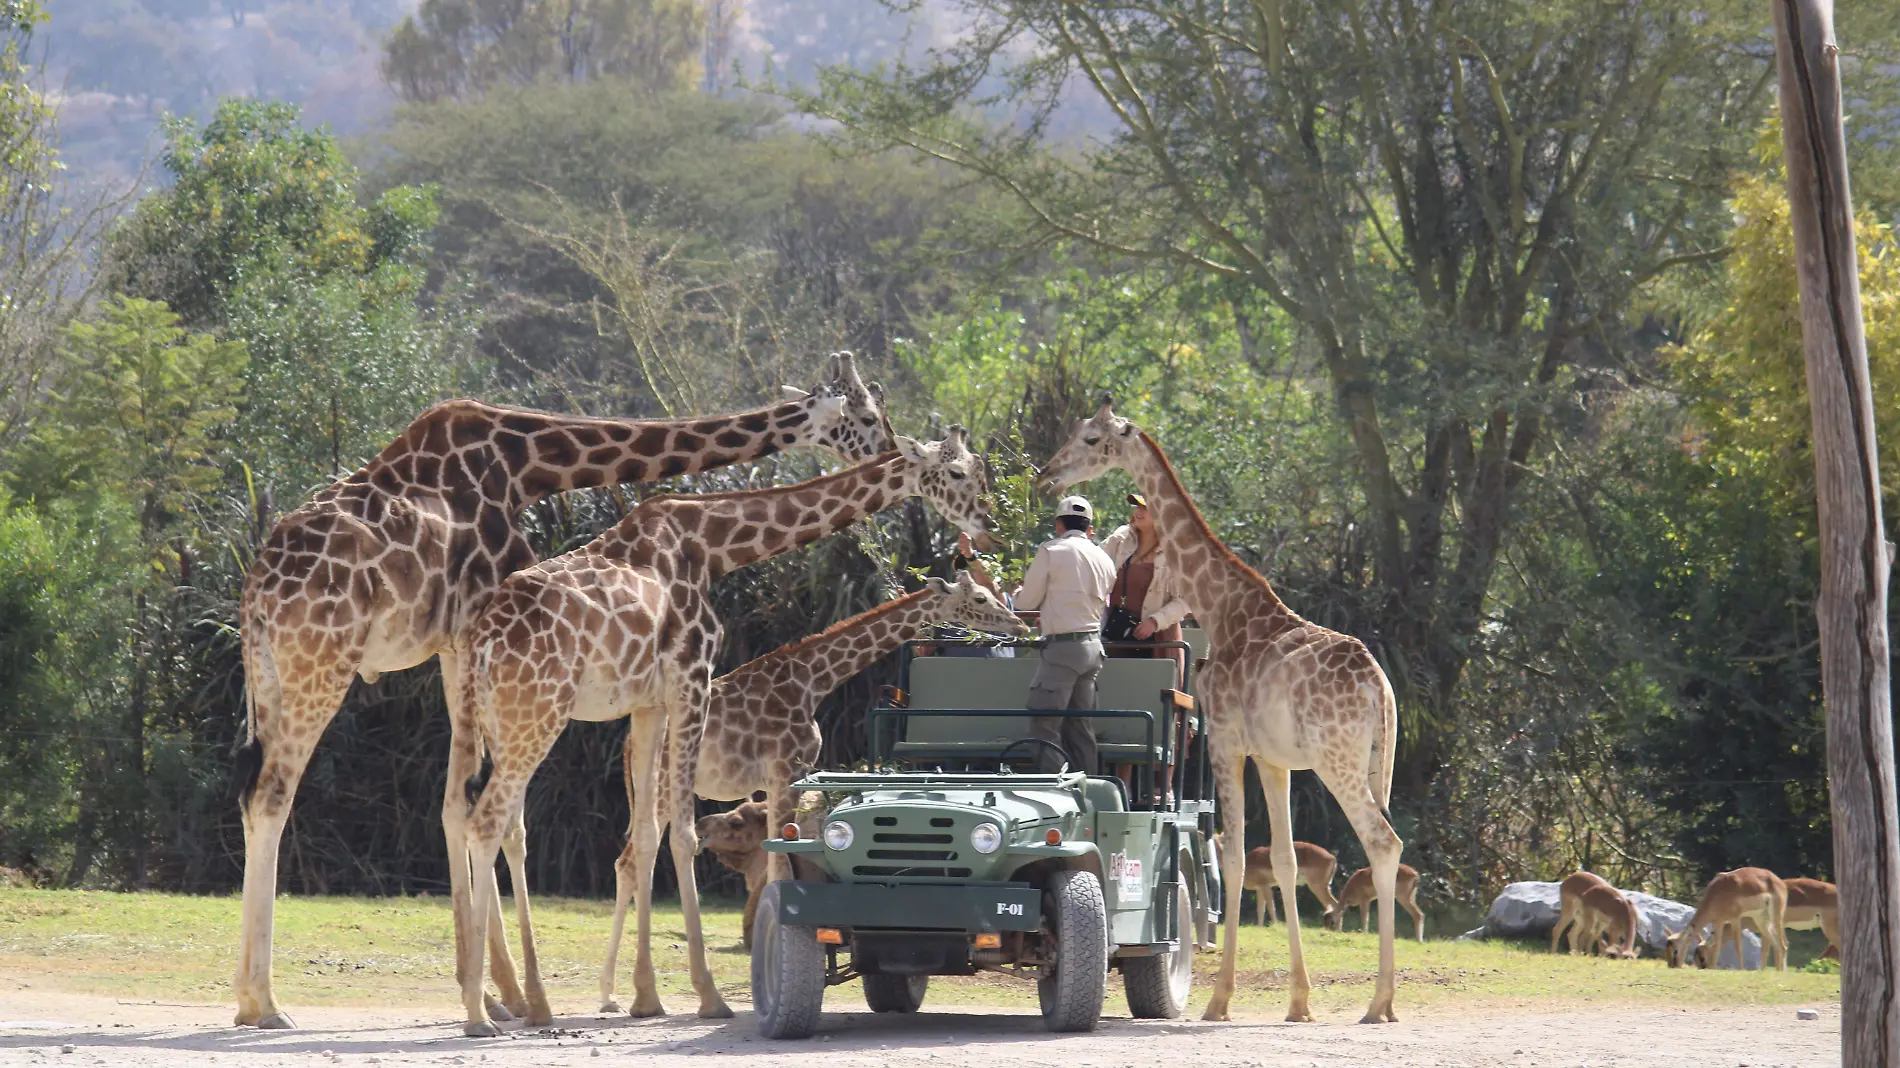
[(498, 1011), (610, 1005), (277, 1021), (1215, 1015), (481, 1029), (718, 1010), (1299, 1017), (538, 1015), (643, 1011)]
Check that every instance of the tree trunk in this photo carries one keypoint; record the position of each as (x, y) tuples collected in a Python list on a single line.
[(1854, 550)]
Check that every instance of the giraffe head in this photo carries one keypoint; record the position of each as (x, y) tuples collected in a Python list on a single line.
[(1101, 443), (953, 480), (847, 414), (973, 606)]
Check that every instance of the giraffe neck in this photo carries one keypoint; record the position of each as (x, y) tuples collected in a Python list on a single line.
[(726, 531), (1212, 578), (519, 456), (827, 659)]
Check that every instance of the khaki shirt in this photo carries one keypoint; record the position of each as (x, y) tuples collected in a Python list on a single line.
[(1068, 582)]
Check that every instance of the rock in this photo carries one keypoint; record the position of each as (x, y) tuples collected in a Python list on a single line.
[(1807, 1014), (1530, 910), (68, 1048)]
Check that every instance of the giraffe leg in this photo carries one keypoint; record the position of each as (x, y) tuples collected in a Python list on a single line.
[(1260, 903), (1350, 788), (685, 841), (484, 846), (1278, 783), (464, 763), (514, 846), (782, 805), (1229, 776), (1418, 915), (624, 880), (289, 718), (644, 839)]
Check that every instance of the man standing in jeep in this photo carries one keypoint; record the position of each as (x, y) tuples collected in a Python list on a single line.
[(1068, 582)]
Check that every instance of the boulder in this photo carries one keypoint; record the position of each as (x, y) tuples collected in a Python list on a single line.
[(1530, 910)]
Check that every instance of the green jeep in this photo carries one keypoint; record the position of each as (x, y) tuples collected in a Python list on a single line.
[(946, 859)]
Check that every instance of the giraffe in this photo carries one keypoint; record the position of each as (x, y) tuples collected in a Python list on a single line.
[(623, 626), (385, 568), (1288, 693), (760, 729)]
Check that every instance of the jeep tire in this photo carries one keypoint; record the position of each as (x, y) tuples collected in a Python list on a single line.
[(895, 993), (788, 972), (1158, 986), (1072, 985)]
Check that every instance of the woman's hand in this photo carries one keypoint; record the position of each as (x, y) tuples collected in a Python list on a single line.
[(1144, 630)]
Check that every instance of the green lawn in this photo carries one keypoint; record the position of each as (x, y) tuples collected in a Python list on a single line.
[(382, 951)]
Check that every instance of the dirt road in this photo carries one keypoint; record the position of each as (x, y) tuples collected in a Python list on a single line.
[(38, 1028)]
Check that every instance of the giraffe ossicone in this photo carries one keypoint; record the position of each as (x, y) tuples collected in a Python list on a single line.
[(388, 566), (624, 627), (1287, 693)]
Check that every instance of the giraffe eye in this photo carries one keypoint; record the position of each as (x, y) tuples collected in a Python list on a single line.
[(1091, 441), (870, 420)]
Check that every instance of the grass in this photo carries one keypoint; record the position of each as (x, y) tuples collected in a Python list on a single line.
[(385, 951)]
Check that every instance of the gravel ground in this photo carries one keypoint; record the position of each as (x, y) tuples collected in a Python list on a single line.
[(59, 1029)]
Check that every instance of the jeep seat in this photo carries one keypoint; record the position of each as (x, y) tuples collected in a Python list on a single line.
[(942, 682)]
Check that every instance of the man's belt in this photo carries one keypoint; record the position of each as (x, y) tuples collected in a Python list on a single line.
[(1074, 636)]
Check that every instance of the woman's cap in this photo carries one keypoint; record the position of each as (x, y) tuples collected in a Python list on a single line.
[(1138, 500)]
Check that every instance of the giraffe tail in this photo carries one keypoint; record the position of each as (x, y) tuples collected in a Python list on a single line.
[(1385, 748), (260, 673)]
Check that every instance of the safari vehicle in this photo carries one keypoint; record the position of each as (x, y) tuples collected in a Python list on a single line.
[(953, 856)]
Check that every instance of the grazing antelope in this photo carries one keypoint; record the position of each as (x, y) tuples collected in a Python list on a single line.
[(1607, 923), (1316, 868), (1811, 903), (1570, 896), (1358, 893), (1754, 894)]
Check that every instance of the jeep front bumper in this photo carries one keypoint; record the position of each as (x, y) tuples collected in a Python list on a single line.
[(911, 907)]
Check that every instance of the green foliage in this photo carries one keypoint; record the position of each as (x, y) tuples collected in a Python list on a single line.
[(253, 192), (64, 673), (455, 49), (263, 236), (143, 403)]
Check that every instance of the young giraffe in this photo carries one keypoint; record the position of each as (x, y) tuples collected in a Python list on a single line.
[(1286, 692), (386, 568), (624, 626), (761, 730)]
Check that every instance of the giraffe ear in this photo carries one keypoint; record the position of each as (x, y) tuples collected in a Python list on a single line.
[(794, 393), (877, 392), (965, 581), (938, 585), (1127, 430)]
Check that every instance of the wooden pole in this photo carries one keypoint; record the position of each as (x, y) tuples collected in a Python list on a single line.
[(1854, 548)]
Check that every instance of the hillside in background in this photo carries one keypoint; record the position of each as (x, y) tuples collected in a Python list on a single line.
[(116, 68)]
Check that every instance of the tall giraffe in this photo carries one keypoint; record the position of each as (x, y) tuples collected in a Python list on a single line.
[(623, 626), (1288, 693), (385, 568), (761, 729)]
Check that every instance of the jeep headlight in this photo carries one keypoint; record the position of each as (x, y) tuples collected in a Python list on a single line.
[(986, 838), (838, 834)]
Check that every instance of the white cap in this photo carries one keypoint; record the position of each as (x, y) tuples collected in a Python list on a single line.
[(1076, 506)]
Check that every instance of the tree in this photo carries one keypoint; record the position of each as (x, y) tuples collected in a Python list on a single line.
[(457, 49), (262, 236), (143, 401), (1455, 204)]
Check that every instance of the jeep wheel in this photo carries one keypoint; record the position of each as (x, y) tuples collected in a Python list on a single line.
[(1158, 986), (788, 973), (895, 993), (1071, 987)]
